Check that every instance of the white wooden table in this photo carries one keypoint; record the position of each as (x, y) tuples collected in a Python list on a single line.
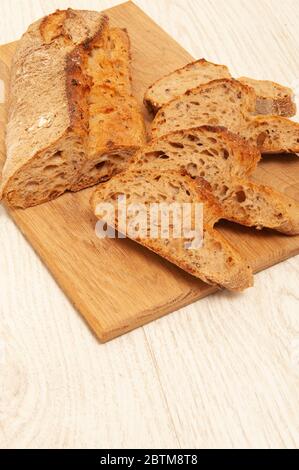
[(223, 372)]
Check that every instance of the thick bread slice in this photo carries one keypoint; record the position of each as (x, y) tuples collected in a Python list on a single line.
[(212, 147), (178, 82), (50, 115), (228, 103), (218, 156), (215, 262), (271, 98), (225, 102)]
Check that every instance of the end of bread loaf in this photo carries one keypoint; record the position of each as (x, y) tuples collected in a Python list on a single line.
[(47, 124)]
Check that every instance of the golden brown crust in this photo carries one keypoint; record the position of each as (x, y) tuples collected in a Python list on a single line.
[(68, 40), (51, 26), (78, 82)]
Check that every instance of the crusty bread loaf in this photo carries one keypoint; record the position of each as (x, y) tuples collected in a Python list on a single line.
[(271, 98), (215, 262), (54, 142), (218, 156), (228, 103)]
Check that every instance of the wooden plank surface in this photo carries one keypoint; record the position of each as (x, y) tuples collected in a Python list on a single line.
[(108, 280), (223, 372)]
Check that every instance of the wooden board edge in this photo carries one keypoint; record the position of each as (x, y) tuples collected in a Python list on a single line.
[(105, 334)]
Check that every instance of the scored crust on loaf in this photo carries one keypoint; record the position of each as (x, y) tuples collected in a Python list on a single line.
[(215, 262), (218, 156), (51, 105), (271, 98), (116, 126), (228, 103)]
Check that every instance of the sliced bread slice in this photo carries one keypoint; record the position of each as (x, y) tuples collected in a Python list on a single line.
[(218, 156), (224, 102), (271, 98), (215, 262), (228, 103), (178, 82)]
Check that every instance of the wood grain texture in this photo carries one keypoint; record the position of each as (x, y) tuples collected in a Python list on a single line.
[(223, 372)]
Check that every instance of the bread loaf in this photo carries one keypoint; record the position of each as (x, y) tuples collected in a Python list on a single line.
[(55, 142), (215, 262)]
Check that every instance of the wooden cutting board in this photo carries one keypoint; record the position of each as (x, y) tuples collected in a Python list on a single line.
[(116, 284)]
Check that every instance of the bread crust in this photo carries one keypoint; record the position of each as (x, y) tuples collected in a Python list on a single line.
[(57, 50)]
